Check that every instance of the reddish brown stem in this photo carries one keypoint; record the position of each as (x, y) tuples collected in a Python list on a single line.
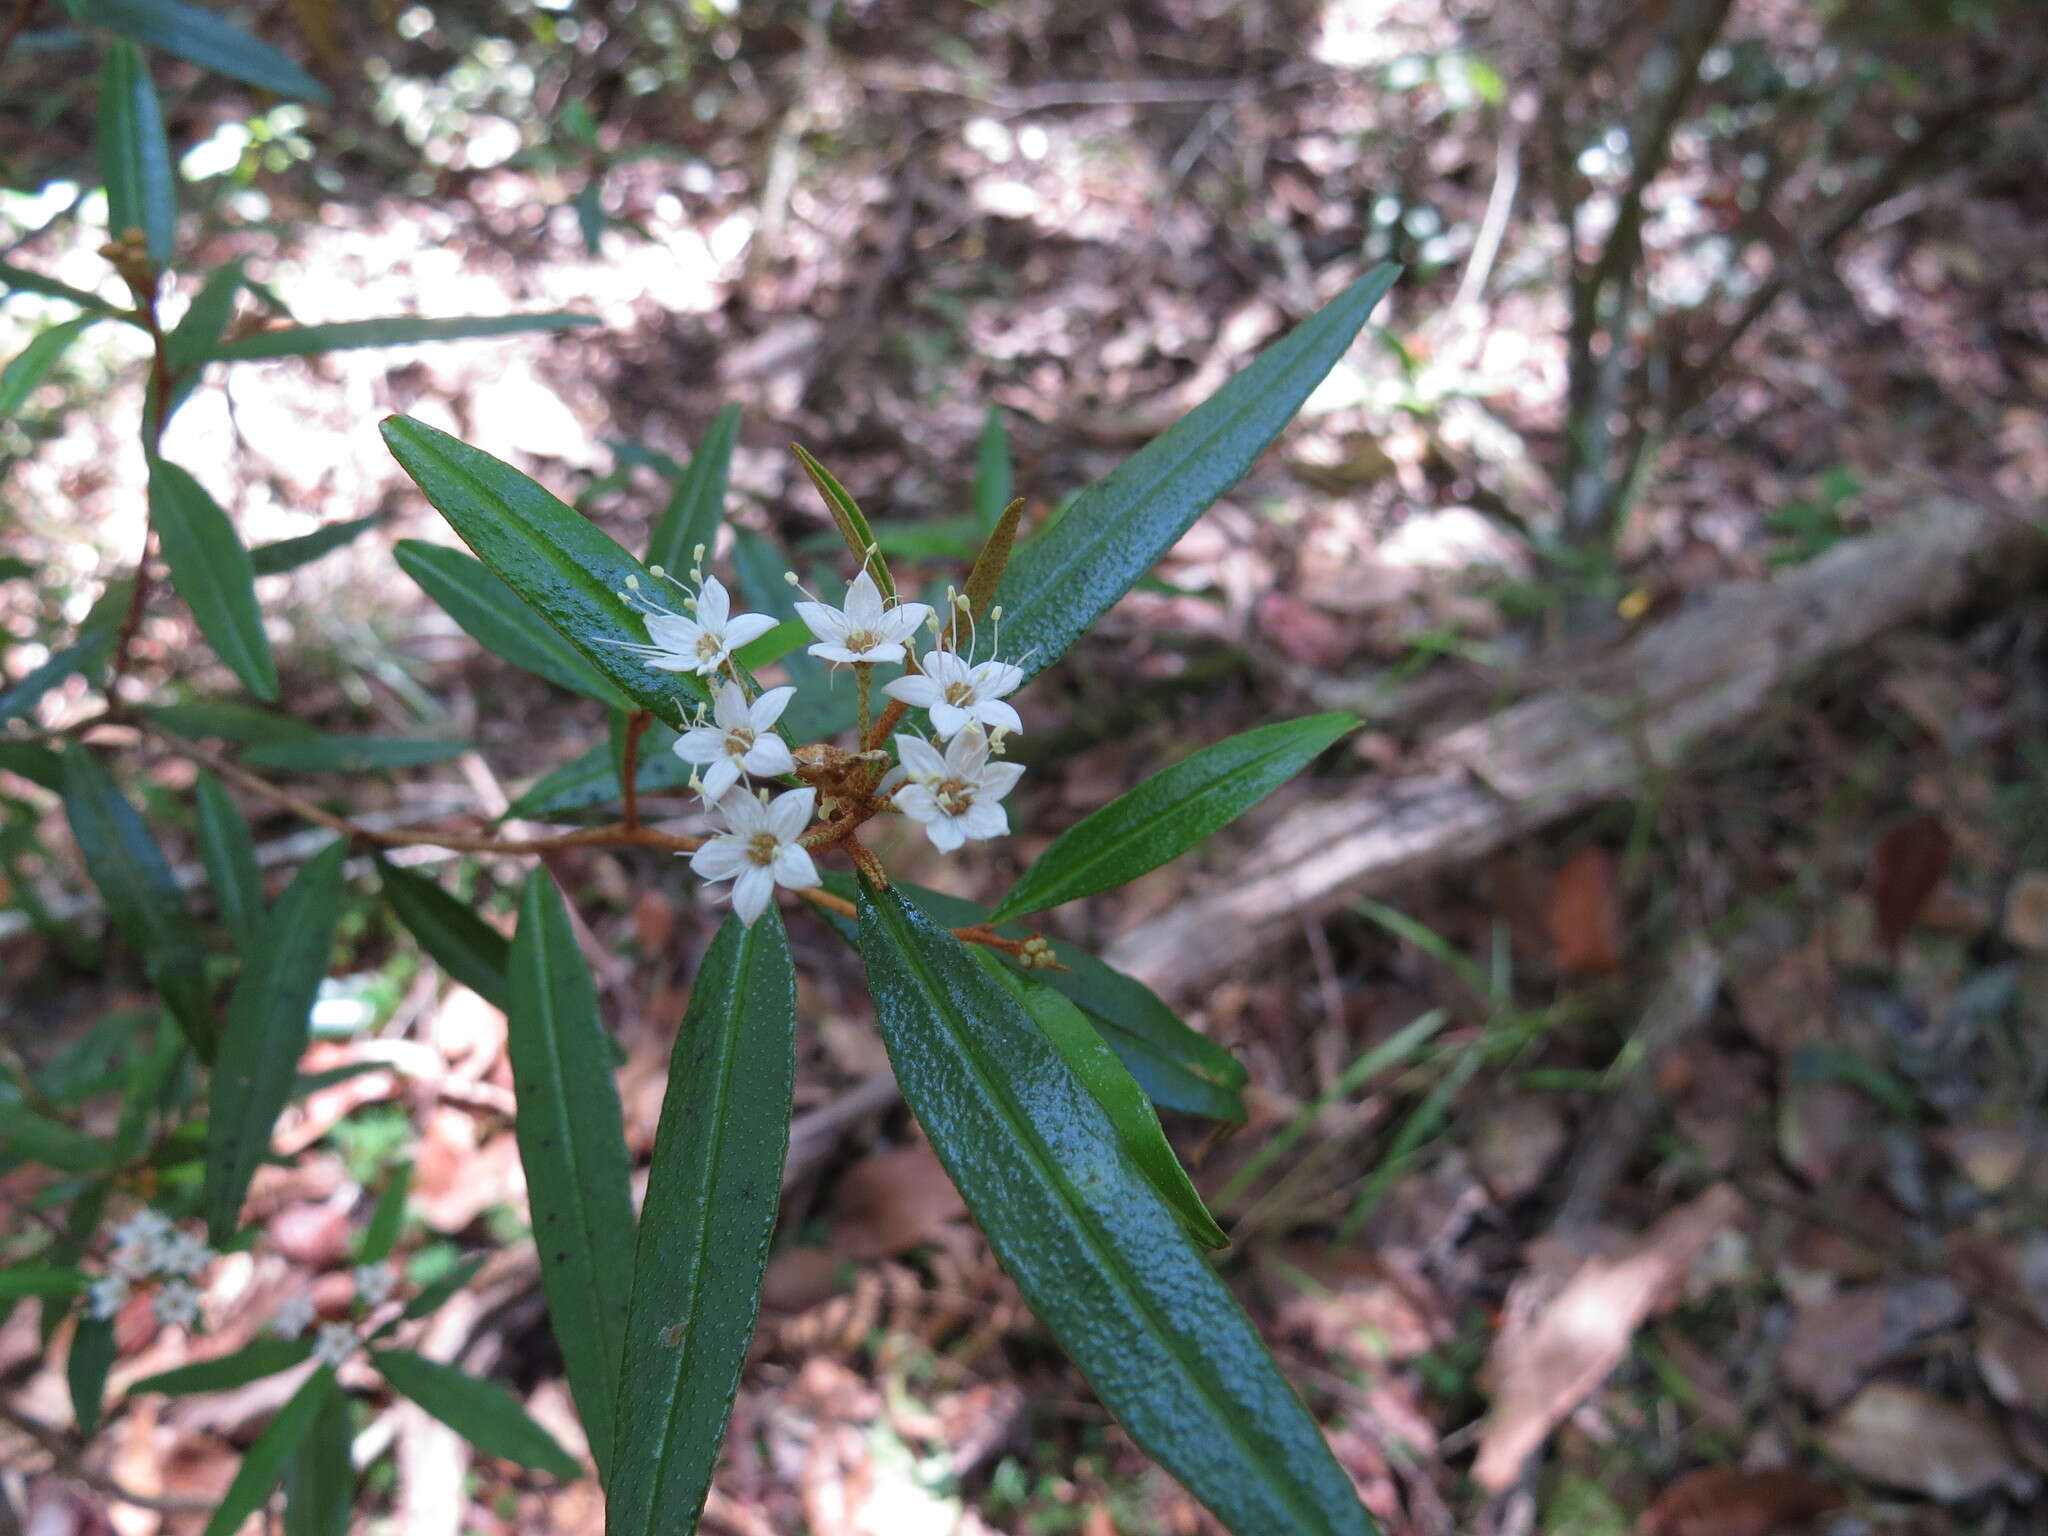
[(629, 767)]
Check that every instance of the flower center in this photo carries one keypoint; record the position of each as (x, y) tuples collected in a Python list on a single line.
[(739, 741), (955, 796), (960, 695), (862, 640), (709, 646), (761, 848)]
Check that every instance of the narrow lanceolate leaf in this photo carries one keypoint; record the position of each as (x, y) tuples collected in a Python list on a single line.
[(26, 1136), (1099, 1256), (320, 1480), (1170, 812), (1137, 1124), (572, 1144), (85, 1370), (202, 326), (697, 505), (992, 473), (39, 765), (241, 724), (461, 943), (380, 1236), (482, 1412), (848, 518), (1117, 529), (20, 1280), (705, 1227), (557, 560), (351, 754), (402, 331), (142, 898), (281, 555), (252, 1362), (135, 157), (211, 571), (25, 281), (266, 1034), (204, 39), (990, 564), (498, 621), (264, 1463), (34, 362), (229, 854)]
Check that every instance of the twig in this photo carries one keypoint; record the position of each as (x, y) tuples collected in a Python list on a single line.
[(69, 1459), (629, 768)]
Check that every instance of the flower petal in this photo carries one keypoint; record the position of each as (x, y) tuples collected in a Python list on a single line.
[(743, 813), (672, 632), (943, 667), (829, 652), (920, 757), (720, 777), (768, 708), (998, 779), (703, 745), (863, 602), (768, 757), (985, 818), (949, 719), (729, 708), (917, 692), (790, 812), (903, 621), (966, 752), (752, 892), (714, 607), (945, 833), (793, 867), (917, 802), (997, 715), (824, 621), (745, 628), (993, 679), (723, 858)]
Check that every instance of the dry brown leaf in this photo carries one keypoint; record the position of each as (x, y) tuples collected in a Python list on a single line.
[(2012, 1357), (1545, 1370), (1909, 864), (1903, 1437), (1836, 1342), (2026, 910), (1584, 924), (892, 1201), (1728, 1501)]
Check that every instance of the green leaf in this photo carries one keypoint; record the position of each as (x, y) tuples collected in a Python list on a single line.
[(30, 1137), (320, 1482), (993, 477), (46, 1280), (697, 505), (381, 1235), (22, 280), (142, 1092), (432, 1296), (252, 1362), (202, 38), (30, 366), (572, 1144), (482, 1412), (229, 853), (461, 943), (264, 1463), (352, 754), (1167, 1081), (848, 518), (202, 326), (498, 621), (989, 566), (402, 331), (135, 157), (85, 1370), (568, 571), (141, 897), (266, 1034), (281, 555), (789, 635), (1104, 1076), (238, 723), (704, 1231), (1100, 1258), (87, 654), (1170, 812), (39, 765), (1117, 529), (211, 571)]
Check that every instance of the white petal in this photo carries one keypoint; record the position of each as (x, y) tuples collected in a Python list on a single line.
[(917, 692), (882, 654), (769, 756), (722, 858), (944, 667), (945, 833), (903, 621), (730, 707), (920, 757), (743, 813), (995, 714), (752, 892), (793, 868), (721, 776), (713, 605), (672, 632), (993, 679), (966, 753), (890, 780), (768, 708), (789, 813), (985, 818), (948, 719), (825, 621), (703, 745), (745, 628), (825, 651), (998, 779), (918, 803), (863, 603)]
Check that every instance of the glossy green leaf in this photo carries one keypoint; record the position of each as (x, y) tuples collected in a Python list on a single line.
[(142, 899), (1100, 1257), (33, 363), (1117, 529), (559, 562), (281, 555), (200, 37), (498, 621), (572, 1144), (239, 723), (150, 1071), (848, 518), (47, 1280), (41, 766), (1170, 812), (211, 571), (31, 1137), (697, 505), (320, 1481), (264, 1463), (352, 754), (1096, 1065), (266, 1034), (252, 1362), (229, 854), (993, 477), (200, 329), (584, 782), (461, 943), (401, 331), (23, 280), (482, 1412), (87, 653), (135, 157), (380, 1235), (705, 1227), (85, 1370), (1167, 1080)]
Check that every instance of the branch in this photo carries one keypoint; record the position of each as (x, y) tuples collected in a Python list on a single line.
[(69, 1459)]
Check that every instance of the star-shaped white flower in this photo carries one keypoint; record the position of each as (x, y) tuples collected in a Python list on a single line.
[(697, 642), (108, 1294), (334, 1344), (374, 1283), (864, 630), (293, 1315), (177, 1304), (759, 849), (740, 740), (139, 1243), (957, 796), (958, 695), (182, 1253)]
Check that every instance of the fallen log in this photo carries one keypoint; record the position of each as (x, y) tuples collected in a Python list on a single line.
[(1630, 714)]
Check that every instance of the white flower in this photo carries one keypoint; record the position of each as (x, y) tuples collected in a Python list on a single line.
[(182, 1253), (177, 1304), (294, 1313), (374, 1283), (139, 1243), (698, 643), (955, 796), (108, 1294), (760, 849), (863, 630), (334, 1344), (958, 695), (741, 739)]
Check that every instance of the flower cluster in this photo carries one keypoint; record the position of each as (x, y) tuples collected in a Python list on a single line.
[(335, 1342), (149, 1249), (951, 784)]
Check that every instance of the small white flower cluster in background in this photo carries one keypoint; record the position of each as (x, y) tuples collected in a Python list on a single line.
[(336, 1342), (148, 1248)]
